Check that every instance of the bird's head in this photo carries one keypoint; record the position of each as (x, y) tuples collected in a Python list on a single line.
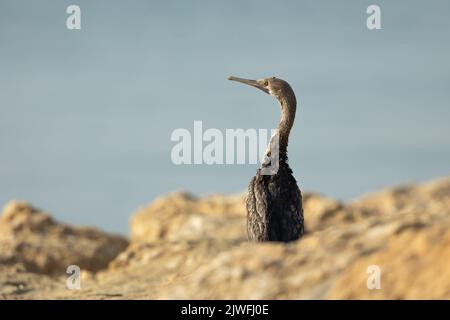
[(278, 88)]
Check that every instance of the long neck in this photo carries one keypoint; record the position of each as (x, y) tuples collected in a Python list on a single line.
[(288, 108)]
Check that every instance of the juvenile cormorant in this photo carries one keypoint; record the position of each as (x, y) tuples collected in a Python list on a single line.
[(274, 201)]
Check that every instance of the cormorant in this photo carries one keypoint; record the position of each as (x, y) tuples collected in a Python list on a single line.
[(274, 201)]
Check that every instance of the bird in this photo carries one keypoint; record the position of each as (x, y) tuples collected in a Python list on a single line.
[(274, 201)]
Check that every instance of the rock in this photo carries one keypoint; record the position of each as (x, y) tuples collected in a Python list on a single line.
[(338, 237), (32, 238), (414, 265), (320, 212), (184, 247), (183, 216), (17, 283), (410, 246), (434, 195)]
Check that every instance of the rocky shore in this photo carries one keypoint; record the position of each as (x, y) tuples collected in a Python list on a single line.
[(184, 247)]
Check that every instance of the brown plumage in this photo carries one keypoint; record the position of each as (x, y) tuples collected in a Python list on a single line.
[(274, 201)]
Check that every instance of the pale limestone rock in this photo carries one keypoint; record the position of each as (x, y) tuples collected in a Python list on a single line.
[(32, 238), (185, 247)]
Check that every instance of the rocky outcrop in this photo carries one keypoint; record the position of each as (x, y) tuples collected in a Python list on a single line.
[(183, 216), (32, 238), (409, 245), (414, 264), (184, 247)]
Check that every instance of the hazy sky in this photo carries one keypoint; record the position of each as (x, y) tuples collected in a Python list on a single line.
[(86, 116)]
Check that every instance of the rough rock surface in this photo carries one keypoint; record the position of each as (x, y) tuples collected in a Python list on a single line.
[(32, 238), (183, 216), (185, 247)]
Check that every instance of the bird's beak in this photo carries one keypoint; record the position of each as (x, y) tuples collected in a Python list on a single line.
[(252, 83)]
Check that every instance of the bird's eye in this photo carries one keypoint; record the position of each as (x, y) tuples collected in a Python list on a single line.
[(266, 83)]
